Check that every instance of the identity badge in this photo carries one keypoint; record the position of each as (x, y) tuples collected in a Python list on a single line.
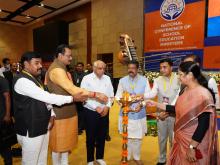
[(165, 100)]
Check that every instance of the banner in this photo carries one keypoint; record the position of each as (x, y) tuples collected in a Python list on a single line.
[(177, 25), (176, 28), (152, 60), (213, 18), (212, 42)]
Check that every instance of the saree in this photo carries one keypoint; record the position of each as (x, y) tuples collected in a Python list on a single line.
[(188, 107)]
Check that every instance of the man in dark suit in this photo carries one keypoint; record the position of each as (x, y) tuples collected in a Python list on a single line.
[(9, 76), (5, 117), (78, 75)]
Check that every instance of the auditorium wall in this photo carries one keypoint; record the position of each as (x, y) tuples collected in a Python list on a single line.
[(109, 20), (29, 30), (13, 41), (79, 20), (96, 26), (106, 21), (78, 40)]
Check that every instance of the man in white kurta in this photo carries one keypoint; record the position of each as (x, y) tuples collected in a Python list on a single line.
[(135, 84)]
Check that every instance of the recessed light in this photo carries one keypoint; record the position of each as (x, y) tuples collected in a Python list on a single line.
[(27, 16), (41, 5), (0, 10)]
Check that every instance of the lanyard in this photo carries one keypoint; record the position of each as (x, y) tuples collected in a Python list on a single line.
[(133, 84), (25, 72), (165, 83)]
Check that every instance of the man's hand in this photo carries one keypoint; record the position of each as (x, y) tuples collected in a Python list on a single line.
[(163, 115), (138, 107), (136, 98), (81, 96), (151, 103), (102, 98), (99, 110), (51, 122), (105, 111), (7, 119)]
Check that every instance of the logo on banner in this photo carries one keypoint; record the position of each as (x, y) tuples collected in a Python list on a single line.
[(172, 9)]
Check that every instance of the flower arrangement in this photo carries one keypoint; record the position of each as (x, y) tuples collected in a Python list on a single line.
[(151, 76), (215, 75)]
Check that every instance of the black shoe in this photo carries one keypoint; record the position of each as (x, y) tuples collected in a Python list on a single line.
[(108, 138), (16, 152), (159, 163)]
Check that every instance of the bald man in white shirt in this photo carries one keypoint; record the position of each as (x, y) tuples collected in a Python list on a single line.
[(96, 113)]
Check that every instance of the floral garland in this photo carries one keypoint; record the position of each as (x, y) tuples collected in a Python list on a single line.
[(215, 75), (153, 75)]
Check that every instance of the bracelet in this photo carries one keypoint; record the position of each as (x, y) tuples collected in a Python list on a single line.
[(94, 94), (192, 147)]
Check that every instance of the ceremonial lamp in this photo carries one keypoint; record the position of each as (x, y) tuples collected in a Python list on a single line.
[(126, 101)]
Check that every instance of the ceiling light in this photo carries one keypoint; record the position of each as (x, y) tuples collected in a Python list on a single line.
[(41, 5), (27, 16), (0, 10)]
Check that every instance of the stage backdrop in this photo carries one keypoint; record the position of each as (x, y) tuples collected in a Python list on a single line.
[(176, 28)]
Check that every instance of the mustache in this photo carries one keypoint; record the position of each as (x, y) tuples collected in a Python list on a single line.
[(40, 69), (130, 72)]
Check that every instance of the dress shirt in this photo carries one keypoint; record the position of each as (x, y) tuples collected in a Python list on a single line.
[(164, 87), (2, 69), (103, 85), (213, 85), (153, 93), (28, 88)]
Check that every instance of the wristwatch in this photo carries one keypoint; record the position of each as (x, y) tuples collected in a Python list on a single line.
[(192, 147)]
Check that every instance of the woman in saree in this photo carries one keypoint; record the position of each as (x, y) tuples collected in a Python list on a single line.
[(195, 131)]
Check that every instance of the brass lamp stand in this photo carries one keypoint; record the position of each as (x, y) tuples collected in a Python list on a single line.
[(125, 101)]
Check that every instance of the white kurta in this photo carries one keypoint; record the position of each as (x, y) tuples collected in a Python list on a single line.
[(136, 128)]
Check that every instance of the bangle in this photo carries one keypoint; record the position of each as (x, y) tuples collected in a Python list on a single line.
[(192, 147), (94, 94)]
